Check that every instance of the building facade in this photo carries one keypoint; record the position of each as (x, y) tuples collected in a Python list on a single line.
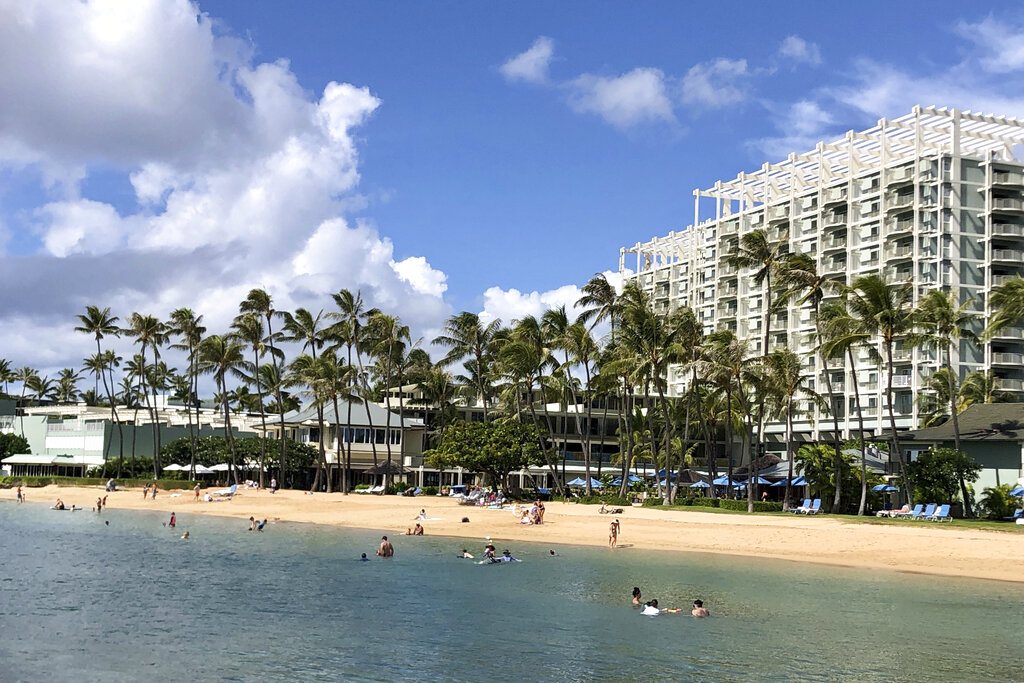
[(935, 198)]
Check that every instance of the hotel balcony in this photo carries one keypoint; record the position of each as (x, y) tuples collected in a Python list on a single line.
[(1009, 333), (778, 213), (901, 176), (899, 202), (901, 381), (1011, 255), (835, 266), (726, 270), (834, 195), (1007, 230), (1007, 204), (902, 355), (998, 280), (900, 253), (727, 291), (1007, 358), (834, 219), (726, 311), (895, 227), (1007, 178), (1009, 384), (894, 275), (834, 244)]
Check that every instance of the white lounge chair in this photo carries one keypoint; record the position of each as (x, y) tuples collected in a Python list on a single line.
[(228, 492)]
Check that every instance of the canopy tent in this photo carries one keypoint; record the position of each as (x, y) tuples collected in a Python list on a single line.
[(221, 467), (176, 468), (200, 469)]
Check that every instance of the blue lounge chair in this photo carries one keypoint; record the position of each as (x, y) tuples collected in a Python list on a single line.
[(1017, 514), (941, 515), (913, 514), (928, 512), (803, 508), (815, 507)]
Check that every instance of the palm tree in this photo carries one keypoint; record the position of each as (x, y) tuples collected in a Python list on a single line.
[(99, 323), (189, 328), (148, 332), (67, 390), (1007, 304), (248, 329), (727, 366), (799, 272), (757, 253), (883, 310), (261, 304), (786, 386), (24, 375), (390, 338), (6, 375), (467, 337), (983, 387), (583, 353), (307, 371), (220, 356), (841, 333)]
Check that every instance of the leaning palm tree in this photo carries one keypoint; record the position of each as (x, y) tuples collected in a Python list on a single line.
[(467, 337), (786, 388), (220, 356), (884, 311), (757, 253), (6, 375), (799, 272), (1007, 304), (260, 303)]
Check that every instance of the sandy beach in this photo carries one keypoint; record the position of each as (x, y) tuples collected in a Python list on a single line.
[(920, 547)]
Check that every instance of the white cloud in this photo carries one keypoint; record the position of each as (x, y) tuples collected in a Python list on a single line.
[(800, 51), (1001, 44), (716, 84), (530, 66), (511, 304), (802, 125), (623, 101), (242, 176)]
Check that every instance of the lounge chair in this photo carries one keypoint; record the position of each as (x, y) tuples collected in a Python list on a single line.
[(941, 515), (1017, 514), (228, 492), (928, 512), (376, 489), (806, 506), (913, 514), (815, 507)]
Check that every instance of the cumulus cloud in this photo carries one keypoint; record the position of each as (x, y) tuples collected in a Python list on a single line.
[(512, 304), (530, 66), (624, 101), (799, 51), (241, 176), (716, 84), (1000, 43), (802, 124)]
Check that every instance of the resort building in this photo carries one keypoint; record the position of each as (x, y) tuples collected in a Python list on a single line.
[(935, 198)]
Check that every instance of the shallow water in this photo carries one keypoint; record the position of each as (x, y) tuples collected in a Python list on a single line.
[(85, 601)]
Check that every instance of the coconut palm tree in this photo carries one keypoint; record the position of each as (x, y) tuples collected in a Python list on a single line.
[(389, 341), (100, 323), (799, 273), (220, 356), (726, 365), (188, 327), (308, 372), (467, 337), (786, 387), (148, 332), (247, 328), (24, 375), (260, 303), (67, 390), (841, 334), (983, 387), (884, 311), (1007, 304), (6, 375)]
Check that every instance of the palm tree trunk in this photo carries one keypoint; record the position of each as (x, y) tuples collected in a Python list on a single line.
[(728, 432), (544, 447), (968, 511), (892, 422), (860, 429), (838, 461), (228, 434), (348, 428), (668, 450), (789, 453), (263, 417)]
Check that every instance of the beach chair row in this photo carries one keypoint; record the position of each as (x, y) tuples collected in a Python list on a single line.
[(931, 512), (809, 507)]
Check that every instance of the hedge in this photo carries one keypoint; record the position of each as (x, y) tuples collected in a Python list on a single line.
[(741, 505), (723, 503)]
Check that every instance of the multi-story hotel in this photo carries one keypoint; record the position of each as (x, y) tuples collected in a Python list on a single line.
[(933, 197)]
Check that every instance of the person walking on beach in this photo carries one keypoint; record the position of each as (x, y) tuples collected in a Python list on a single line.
[(174, 520), (196, 489), (99, 504), (273, 485), (104, 501), (154, 491), (21, 498), (145, 491), (699, 610), (385, 549), (613, 534)]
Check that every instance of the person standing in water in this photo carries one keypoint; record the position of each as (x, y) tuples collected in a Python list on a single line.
[(699, 610), (21, 498), (385, 549), (613, 534), (174, 520), (637, 597)]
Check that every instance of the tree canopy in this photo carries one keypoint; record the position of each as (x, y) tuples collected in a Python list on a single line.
[(936, 474), (492, 448)]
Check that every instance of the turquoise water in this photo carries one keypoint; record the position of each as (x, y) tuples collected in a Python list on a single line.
[(83, 601)]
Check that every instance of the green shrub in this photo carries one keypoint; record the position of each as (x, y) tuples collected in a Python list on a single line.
[(396, 487), (996, 502), (429, 490), (362, 487), (741, 505), (652, 502), (706, 502)]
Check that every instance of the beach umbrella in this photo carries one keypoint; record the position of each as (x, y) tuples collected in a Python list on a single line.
[(595, 484), (700, 485), (724, 481), (175, 468), (884, 488), (673, 475), (200, 469), (632, 479), (780, 482), (799, 481), (760, 480), (222, 467), (576, 482)]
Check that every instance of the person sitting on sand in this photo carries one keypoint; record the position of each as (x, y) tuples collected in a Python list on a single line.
[(417, 530), (650, 608), (699, 610), (465, 554), (385, 549), (603, 510), (636, 595), (422, 515)]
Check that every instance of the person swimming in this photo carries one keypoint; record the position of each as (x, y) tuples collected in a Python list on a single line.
[(650, 608), (506, 556), (466, 554), (636, 595), (364, 558), (184, 536), (699, 610)]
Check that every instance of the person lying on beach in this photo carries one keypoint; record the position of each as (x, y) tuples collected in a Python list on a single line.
[(422, 515), (636, 595), (905, 510), (650, 608), (699, 610)]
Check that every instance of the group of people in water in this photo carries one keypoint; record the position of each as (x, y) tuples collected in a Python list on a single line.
[(650, 608)]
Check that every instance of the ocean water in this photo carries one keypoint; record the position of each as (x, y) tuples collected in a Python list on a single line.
[(85, 601)]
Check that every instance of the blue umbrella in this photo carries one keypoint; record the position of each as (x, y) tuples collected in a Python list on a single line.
[(781, 482), (576, 482), (632, 479), (760, 480), (661, 473), (884, 488), (724, 481), (700, 485), (799, 481), (595, 484), (1019, 491)]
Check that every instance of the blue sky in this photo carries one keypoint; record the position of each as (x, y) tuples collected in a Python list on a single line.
[(441, 156)]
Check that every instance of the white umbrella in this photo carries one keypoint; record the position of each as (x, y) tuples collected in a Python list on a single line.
[(222, 467), (203, 470), (175, 468)]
